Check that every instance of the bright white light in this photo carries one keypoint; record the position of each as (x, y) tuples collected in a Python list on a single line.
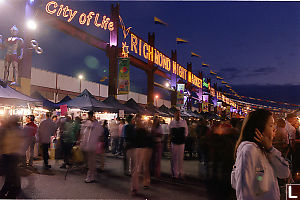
[(156, 96), (80, 76), (167, 84), (31, 24)]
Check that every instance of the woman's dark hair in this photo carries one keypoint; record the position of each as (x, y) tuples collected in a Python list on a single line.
[(255, 120)]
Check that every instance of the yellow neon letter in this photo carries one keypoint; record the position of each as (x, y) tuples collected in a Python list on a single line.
[(144, 50), (174, 67), (157, 61), (111, 26), (89, 17), (150, 53), (189, 77), (66, 9), (82, 19), (105, 21), (168, 64), (50, 4), (59, 10), (140, 47), (72, 15), (96, 20), (134, 42)]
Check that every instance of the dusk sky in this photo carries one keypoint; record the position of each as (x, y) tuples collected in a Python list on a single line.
[(254, 46)]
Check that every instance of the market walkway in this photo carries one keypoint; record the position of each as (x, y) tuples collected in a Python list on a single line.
[(112, 184)]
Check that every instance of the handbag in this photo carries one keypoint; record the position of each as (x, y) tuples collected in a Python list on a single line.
[(77, 155)]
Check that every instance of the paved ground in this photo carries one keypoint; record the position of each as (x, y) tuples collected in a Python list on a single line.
[(112, 184)]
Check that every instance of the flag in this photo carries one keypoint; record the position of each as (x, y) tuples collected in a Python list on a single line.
[(159, 21), (195, 55), (214, 73), (180, 41), (223, 82), (220, 78), (103, 79), (204, 65)]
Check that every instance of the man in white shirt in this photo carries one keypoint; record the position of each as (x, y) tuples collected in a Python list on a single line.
[(178, 132)]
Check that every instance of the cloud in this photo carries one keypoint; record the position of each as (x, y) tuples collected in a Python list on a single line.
[(265, 70), (292, 54)]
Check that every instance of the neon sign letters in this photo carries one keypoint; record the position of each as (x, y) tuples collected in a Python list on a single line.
[(52, 8), (141, 48)]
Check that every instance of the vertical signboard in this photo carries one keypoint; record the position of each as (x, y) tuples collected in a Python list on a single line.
[(228, 111), (180, 94), (123, 78), (205, 106)]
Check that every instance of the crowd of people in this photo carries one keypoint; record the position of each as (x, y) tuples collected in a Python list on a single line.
[(218, 145)]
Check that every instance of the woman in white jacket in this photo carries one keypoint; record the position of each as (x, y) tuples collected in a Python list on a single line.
[(258, 164)]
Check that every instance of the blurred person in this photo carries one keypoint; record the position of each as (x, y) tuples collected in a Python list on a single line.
[(130, 140), (157, 133), (46, 129), (292, 125), (281, 139), (91, 132), (258, 164), (106, 135), (67, 139), (202, 131), (30, 130), (76, 128), (141, 152), (114, 133), (54, 118), (178, 132), (165, 128), (11, 145), (121, 138)]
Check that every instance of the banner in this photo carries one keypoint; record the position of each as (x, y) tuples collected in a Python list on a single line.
[(205, 106), (228, 111), (180, 94), (123, 78), (63, 110)]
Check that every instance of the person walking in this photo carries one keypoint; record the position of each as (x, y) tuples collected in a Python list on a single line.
[(157, 133), (106, 136), (142, 144), (258, 164), (30, 130), (114, 133), (129, 138), (46, 129), (11, 145), (68, 139), (91, 132), (178, 131), (121, 138), (165, 128)]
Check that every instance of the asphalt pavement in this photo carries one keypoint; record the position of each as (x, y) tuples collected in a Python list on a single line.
[(112, 183)]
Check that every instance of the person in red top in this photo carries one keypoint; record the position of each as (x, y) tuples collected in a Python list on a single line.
[(30, 130)]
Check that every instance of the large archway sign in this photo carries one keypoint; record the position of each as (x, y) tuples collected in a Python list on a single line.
[(158, 63)]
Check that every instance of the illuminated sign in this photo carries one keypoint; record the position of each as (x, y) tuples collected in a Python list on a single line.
[(204, 83), (52, 8), (212, 92), (140, 47), (194, 79)]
